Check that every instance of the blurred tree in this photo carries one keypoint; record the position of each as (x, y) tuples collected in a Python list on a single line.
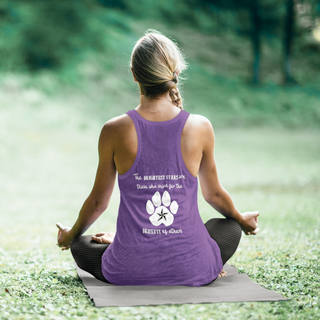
[(287, 42), (268, 18), (59, 31), (254, 9), (118, 4), (263, 19), (50, 34), (308, 21)]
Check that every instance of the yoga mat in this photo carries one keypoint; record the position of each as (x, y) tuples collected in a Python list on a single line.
[(234, 287)]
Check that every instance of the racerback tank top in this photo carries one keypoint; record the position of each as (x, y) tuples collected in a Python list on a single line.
[(160, 237)]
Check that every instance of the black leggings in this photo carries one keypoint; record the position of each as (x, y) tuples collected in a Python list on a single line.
[(87, 253)]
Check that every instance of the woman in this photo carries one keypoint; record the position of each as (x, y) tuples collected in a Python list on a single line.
[(158, 150)]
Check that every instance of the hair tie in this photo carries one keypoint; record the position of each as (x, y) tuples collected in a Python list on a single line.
[(175, 78)]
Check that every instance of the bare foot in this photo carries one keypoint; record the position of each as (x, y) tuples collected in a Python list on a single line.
[(104, 237), (222, 274)]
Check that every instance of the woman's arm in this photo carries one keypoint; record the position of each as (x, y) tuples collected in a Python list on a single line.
[(212, 190), (99, 198)]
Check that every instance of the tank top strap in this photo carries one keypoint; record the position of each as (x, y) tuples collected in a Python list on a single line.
[(134, 115), (183, 115)]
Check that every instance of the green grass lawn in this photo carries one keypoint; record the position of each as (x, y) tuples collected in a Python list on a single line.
[(48, 160)]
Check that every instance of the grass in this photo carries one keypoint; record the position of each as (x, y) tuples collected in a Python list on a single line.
[(48, 155)]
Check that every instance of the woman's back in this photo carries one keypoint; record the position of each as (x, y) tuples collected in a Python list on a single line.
[(160, 238), (125, 140)]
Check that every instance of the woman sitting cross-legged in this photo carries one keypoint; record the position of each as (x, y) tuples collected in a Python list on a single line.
[(158, 151)]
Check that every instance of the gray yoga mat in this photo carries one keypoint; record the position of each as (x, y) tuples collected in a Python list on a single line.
[(234, 287)]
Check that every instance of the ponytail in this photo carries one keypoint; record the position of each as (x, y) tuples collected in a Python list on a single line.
[(156, 61)]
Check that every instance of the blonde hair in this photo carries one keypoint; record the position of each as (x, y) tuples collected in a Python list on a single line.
[(155, 62)]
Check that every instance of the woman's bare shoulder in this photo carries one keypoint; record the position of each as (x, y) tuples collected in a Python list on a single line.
[(118, 123), (199, 119), (199, 122), (115, 129)]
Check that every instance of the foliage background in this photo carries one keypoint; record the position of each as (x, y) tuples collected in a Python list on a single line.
[(65, 71)]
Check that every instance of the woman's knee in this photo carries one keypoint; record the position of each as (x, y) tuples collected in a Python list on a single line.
[(235, 225), (79, 244), (226, 224), (75, 246), (213, 222)]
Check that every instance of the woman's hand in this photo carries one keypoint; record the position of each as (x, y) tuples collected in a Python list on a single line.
[(104, 237), (64, 237), (249, 222)]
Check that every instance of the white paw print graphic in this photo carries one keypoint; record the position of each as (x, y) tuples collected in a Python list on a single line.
[(162, 214)]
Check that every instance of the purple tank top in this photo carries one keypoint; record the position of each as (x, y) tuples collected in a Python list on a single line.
[(160, 237)]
